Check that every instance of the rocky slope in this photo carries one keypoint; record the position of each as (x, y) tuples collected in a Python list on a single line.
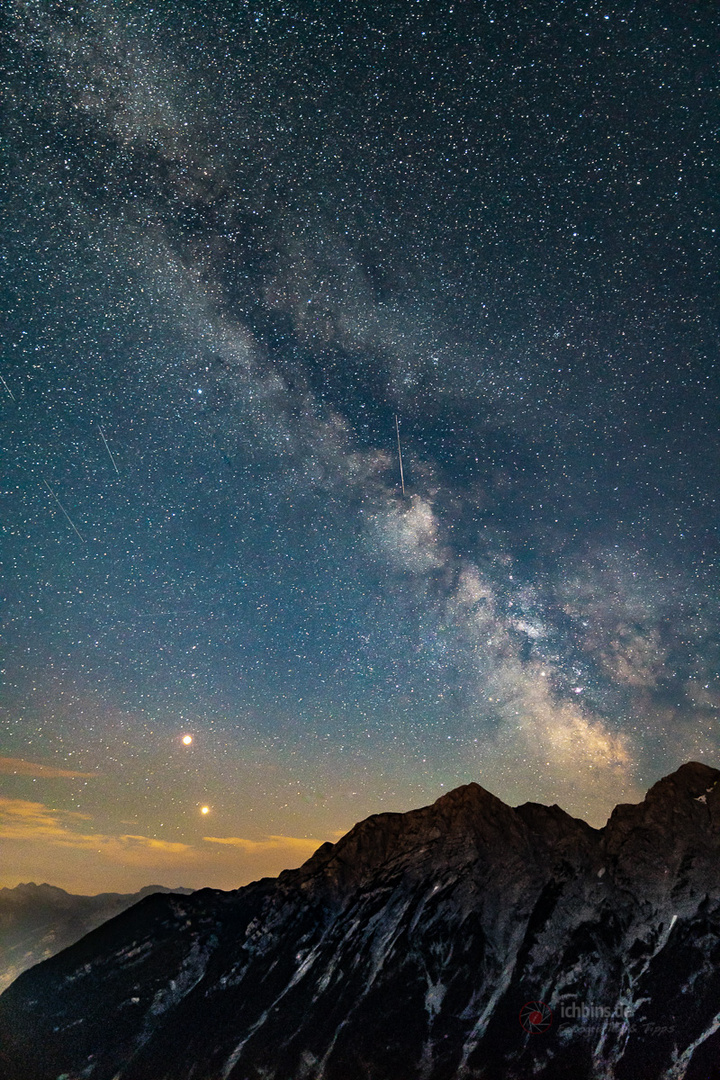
[(412, 948), (38, 921)]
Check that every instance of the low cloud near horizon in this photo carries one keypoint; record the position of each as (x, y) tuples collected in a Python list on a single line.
[(81, 860), (11, 766)]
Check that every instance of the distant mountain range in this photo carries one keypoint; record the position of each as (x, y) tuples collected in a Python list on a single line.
[(465, 939), (38, 921)]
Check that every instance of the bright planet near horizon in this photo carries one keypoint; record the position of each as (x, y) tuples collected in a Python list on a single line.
[(359, 400)]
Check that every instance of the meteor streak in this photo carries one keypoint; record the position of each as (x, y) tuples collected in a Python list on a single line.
[(110, 453), (402, 478), (70, 520)]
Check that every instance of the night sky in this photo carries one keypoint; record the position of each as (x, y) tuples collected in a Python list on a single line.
[(239, 240)]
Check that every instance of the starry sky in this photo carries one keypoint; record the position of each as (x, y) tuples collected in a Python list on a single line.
[(239, 241)]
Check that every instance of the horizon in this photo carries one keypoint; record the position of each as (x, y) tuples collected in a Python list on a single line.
[(279, 868)]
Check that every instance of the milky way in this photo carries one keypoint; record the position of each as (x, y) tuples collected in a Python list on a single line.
[(239, 241)]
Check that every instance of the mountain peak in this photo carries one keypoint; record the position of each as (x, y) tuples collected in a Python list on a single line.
[(466, 799), (465, 793), (691, 781)]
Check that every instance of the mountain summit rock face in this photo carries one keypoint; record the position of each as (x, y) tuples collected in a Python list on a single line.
[(465, 939)]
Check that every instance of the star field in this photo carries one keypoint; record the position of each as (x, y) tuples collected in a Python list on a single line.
[(239, 240)]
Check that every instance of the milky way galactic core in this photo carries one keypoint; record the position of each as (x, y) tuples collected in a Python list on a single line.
[(359, 421)]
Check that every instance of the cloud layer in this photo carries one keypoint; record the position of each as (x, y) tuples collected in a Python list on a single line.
[(19, 767), (66, 840)]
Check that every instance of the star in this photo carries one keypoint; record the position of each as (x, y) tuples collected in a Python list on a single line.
[(204, 509)]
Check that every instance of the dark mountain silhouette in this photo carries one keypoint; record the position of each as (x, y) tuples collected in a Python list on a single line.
[(465, 939), (38, 921)]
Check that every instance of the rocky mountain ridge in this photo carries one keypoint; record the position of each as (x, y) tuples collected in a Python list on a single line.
[(465, 939), (38, 921)]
